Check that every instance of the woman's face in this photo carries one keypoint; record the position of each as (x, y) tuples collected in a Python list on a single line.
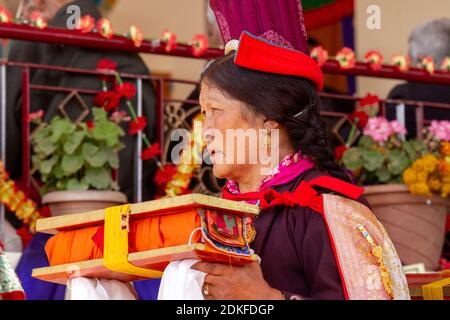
[(221, 113)]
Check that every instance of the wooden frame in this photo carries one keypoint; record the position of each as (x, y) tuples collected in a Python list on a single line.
[(152, 259), (145, 209), (156, 259)]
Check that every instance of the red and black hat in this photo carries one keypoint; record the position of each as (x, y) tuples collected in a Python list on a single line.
[(272, 36)]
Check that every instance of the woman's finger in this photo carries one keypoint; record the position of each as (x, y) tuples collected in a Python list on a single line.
[(211, 268), (210, 290), (212, 280)]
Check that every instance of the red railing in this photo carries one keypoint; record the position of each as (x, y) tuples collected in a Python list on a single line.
[(119, 43), (92, 40)]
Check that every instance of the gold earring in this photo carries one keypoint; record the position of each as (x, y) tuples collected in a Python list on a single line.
[(267, 138)]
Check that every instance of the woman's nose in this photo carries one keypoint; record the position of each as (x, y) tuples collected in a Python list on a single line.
[(208, 135)]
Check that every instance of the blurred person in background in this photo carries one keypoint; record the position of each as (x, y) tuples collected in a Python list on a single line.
[(431, 39)]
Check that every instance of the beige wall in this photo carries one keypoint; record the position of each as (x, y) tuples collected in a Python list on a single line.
[(183, 17), (398, 18), (187, 17)]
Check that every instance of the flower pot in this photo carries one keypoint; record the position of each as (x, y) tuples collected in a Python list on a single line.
[(68, 202), (416, 224)]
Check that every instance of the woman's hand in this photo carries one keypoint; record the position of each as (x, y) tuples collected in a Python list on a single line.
[(226, 282)]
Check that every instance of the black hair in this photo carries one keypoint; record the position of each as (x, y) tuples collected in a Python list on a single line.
[(290, 101)]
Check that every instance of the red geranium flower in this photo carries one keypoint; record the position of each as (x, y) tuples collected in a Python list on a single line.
[(369, 100), (165, 175), (339, 152), (151, 152), (36, 116), (108, 100), (106, 64), (90, 124), (45, 212), (359, 118), (127, 90), (137, 125)]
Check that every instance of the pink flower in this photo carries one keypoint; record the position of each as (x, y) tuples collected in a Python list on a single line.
[(38, 20), (320, 55), (401, 62), (104, 27), (119, 116), (440, 130), (170, 40), (374, 59), (346, 58), (379, 129), (136, 35), (199, 45), (398, 128), (428, 64), (5, 15), (86, 24), (446, 64)]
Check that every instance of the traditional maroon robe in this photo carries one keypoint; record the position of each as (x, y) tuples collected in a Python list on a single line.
[(296, 253)]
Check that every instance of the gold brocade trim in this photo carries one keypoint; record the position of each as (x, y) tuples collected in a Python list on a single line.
[(377, 252)]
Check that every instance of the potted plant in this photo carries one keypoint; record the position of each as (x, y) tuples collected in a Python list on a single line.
[(403, 197), (76, 161)]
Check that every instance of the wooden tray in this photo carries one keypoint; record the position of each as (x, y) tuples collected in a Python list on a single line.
[(146, 209), (416, 281), (156, 259)]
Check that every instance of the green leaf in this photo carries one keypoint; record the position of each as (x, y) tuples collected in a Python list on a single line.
[(61, 184), (98, 159), (366, 142), (57, 171), (108, 132), (36, 161), (353, 159), (72, 163), (99, 178), (113, 158), (42, 145), (372, 160), (75, 184), (383, 174), (73, 142), (99, 114), (47, 165), (398, 162), (60, 127), (410, 150), (89, 149)]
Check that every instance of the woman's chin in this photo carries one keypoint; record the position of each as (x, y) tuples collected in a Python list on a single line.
[(222, 171)]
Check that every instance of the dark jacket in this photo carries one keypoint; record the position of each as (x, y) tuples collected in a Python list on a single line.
[(81, 58), (419, 92)]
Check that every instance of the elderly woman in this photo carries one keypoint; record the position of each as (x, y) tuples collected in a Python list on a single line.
[(266, 87)]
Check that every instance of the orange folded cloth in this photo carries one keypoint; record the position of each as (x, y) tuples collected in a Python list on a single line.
[(145, 234)]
